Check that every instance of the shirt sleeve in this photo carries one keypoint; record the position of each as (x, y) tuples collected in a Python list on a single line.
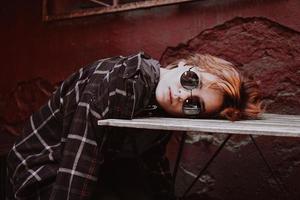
[(83, 140), (34, 158), (81, 157)]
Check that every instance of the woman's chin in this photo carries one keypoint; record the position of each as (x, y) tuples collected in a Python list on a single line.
[(172, 113)]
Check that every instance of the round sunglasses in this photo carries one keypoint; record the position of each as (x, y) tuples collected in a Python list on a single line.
[(191, 106)]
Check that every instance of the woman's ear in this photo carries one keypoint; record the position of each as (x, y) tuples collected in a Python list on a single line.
[(233, 114)]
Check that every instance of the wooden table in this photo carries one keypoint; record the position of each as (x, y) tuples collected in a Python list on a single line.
[(268, 125)]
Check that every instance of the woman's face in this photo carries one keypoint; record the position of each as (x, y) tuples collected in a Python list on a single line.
[(170, 94)]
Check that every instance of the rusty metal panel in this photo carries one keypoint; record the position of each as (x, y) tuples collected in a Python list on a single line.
[(103, 8)]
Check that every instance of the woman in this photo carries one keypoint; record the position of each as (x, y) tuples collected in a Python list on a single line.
[(63, 154), (213, 83)]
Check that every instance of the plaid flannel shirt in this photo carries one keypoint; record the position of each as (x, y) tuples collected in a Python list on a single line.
[(61, 149)]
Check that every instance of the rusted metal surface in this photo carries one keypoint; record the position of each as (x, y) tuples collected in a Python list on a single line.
[(108, 9), (100, 3), (269, 125)]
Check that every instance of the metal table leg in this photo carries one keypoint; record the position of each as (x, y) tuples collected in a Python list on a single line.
[(207, 165), (280, 184), (179, 155)]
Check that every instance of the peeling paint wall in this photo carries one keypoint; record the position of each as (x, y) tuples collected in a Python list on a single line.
[(268, 52)]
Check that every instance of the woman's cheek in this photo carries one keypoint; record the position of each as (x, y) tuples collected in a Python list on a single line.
[(176, 108)]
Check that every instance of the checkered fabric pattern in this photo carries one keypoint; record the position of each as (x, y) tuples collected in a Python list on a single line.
[(61, 149)]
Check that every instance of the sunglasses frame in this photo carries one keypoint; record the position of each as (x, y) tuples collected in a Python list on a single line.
[(186, 103)]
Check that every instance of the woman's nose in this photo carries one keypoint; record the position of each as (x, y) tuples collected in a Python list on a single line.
[(182, 94)]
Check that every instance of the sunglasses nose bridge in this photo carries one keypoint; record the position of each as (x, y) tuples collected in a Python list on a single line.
[(183, 93)]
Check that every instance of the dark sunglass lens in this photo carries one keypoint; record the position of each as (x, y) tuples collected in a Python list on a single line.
[(189, 80), (191, 106)]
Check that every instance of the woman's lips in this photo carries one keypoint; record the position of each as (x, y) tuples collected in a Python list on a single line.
[(170, 95)]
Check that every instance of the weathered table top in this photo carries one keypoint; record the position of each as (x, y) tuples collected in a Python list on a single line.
[(270, 124)]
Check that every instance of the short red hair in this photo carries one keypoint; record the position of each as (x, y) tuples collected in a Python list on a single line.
[(242, 97)]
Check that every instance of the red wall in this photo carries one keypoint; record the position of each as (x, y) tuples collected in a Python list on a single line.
[(32, 48)]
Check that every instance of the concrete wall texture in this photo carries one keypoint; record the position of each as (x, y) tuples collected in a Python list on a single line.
[(260, 36)]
